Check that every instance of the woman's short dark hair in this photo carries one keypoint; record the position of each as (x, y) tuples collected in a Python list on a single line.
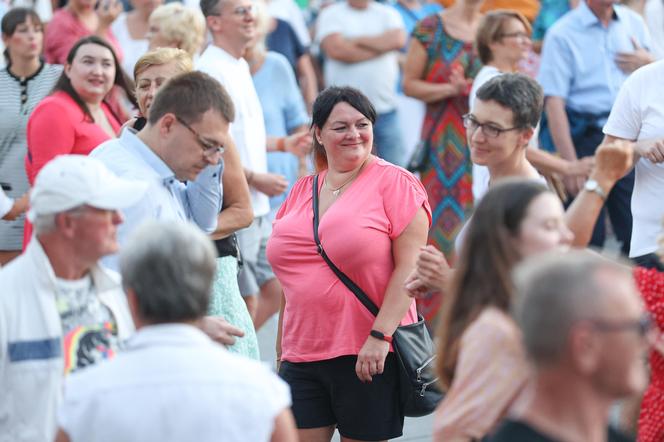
[(322, 109), (15, 17), (121, 80), (189, 96), (517, 92), (488, 254)]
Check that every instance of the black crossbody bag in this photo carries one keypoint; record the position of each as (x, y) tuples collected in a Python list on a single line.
[(412, 344)]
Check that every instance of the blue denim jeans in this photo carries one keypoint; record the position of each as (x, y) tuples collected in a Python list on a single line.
[(387, 138)]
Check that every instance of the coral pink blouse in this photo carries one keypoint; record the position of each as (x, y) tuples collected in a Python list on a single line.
[(58, 126), (63, 31), (322, 318)]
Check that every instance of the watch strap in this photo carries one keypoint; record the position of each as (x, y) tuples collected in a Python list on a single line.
[(380, 335)]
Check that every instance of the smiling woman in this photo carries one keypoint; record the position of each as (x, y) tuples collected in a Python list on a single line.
[(76, 118)]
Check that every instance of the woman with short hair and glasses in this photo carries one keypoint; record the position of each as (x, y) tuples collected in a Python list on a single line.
[(503, 42)]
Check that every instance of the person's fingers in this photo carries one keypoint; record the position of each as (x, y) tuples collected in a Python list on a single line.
[(358, 370), (380, 366), (366, 371)]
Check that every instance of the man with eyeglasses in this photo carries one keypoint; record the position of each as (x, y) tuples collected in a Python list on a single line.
[(584, 330), (178, 153), (232, 25)]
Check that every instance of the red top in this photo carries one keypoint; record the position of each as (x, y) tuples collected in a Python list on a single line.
[(322, 318), (58, 126), (651, 419), (63, 31)]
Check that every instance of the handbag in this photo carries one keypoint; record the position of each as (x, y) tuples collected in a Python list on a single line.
[(418, 389), (418, 159)]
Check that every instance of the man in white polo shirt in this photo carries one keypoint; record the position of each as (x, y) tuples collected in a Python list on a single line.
[(232, 25), (172, 383), (638, 115)]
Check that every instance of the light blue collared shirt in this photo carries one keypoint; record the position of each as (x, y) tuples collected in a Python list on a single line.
[(578, 57), (167, 198)]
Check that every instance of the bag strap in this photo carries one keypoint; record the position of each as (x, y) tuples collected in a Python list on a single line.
[(357, 291)]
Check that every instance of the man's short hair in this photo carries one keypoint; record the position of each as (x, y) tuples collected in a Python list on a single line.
[(210, 7), (517, 92), (554, 291), (170, 268), (189, 96)]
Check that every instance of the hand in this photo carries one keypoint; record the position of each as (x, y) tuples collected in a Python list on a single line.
[(573, 184), (371, 359), (628, 62), (612, 162), (19, 207), (581, 167), (432, 269), (219, 330), (299, 143), (414, 287), (270, 184), (653, 151), (459, 81), (108, 11)]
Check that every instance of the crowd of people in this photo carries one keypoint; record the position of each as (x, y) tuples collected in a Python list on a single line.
[(178, 177)]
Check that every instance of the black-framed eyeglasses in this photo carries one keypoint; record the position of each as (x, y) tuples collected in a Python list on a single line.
[(209, 149), (488, 129), (641, 326)]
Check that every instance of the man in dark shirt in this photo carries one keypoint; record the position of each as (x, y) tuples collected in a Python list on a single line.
[(584, 330)]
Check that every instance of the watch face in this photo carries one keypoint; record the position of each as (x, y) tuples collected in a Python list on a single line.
[(591, 185)]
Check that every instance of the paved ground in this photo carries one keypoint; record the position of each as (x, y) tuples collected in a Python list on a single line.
[(415, 429)]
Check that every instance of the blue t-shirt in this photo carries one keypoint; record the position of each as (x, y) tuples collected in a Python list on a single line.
[(283, 111), (284, 41)]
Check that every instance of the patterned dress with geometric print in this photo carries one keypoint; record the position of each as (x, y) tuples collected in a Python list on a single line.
[(447, 176)]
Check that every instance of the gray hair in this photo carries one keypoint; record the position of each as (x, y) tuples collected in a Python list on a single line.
[(170, 268), (45, 222), (517, 92), (554, 291)]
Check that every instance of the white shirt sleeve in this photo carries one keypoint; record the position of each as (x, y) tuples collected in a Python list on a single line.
[(625, 119), (6, 203)]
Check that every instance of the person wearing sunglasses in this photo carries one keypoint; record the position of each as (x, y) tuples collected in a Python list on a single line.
[(585, 333)]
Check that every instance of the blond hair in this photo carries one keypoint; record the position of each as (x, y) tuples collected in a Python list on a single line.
[(161, 56), (490, 30), (183, 27)]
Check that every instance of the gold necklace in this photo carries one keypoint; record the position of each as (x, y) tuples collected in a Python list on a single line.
[(336, 191)]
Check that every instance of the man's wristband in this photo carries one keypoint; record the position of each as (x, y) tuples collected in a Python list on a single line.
[(380, 335), (281, 144)]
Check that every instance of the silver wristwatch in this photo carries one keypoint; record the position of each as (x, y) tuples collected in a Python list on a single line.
[(593, 186)]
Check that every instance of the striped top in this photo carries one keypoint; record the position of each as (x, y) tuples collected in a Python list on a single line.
[(491, 374), (14, 117)]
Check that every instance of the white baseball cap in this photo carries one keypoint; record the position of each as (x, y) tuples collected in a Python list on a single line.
[(69, 181)]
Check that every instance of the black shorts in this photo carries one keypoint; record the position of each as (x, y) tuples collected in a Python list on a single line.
[(329, 393)]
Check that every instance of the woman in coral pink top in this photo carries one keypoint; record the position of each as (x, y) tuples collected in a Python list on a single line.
[(79, 19), (374, 218), (75, 118)]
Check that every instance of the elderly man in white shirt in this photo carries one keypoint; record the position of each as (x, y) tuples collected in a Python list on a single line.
[(232, 26), (60, 311), (172, 383)]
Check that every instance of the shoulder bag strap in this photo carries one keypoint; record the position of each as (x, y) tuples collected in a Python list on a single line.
[(357, 291)]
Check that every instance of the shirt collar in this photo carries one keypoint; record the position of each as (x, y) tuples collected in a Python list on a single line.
[(218, 51), (588, 18), (171, 334), (135, 144)]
